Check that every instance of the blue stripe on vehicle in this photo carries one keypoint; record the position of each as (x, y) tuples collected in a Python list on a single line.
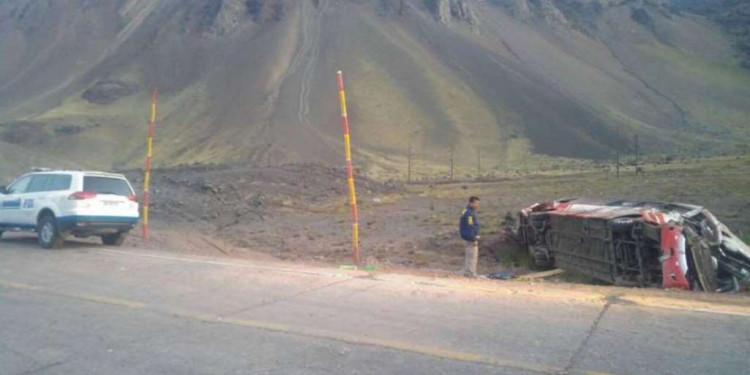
[(69, 221), (107, 219), (11, 205), (19, 226)]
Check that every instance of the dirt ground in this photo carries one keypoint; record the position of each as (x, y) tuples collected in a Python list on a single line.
[(299, 213)]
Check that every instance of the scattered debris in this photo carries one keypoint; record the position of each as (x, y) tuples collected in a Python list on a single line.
[(542, 275), (501, 275), (508, 275)]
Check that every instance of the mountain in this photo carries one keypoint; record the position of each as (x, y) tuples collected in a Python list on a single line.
[(253, 81), (732, 15)]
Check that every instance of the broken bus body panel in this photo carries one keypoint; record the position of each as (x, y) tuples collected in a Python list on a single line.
[(670, 245)]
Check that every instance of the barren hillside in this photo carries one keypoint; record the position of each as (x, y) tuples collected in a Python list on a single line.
[(253, 81)]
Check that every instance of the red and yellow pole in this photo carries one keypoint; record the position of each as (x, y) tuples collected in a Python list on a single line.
[(349, 171), (149, 153)]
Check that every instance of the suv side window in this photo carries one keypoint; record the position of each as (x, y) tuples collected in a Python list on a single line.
[(19, 186), (37, 183), (49, 182), (59, 182)]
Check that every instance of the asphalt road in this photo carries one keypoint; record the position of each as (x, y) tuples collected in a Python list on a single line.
[(85, 309)]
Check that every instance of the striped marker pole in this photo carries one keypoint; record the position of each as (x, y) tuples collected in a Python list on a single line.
[(349, 171), (147, 176)]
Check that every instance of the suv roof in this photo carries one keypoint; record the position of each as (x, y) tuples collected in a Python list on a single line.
[(97, 173)]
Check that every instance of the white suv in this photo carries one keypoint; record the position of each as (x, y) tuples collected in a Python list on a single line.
[(56, 204)]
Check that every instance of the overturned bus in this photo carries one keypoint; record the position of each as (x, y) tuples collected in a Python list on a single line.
[(669, 245)]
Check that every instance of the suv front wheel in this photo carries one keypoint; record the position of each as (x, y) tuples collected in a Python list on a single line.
[(116, 239), (48, 233)]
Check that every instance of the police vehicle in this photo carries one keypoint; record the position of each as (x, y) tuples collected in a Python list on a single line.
[(58, 204)]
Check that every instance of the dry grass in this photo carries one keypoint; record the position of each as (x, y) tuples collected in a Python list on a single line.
[(719, 184)]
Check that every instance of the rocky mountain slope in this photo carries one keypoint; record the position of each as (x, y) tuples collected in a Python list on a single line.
[(732, 15), (253, 81)]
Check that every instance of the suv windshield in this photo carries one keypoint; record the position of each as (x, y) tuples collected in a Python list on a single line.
[(106, 185), (19, 186)]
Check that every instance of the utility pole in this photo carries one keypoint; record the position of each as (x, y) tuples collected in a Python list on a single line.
[(410, 155), (451, 163), (408, 171), (636, 154), (479, 161), (617, 152)]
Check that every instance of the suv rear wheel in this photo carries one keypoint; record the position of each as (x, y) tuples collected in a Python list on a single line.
[(116, 239), (48, 233)]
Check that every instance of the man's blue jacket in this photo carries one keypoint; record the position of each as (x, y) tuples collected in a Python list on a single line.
[(469, 225)]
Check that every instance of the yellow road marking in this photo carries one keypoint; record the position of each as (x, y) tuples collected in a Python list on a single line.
[(82, 297), (104, 300), (436, 352), (19, 286), (401, 346), (687, 305)]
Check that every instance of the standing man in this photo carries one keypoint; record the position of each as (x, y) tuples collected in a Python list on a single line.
[(469, 229)]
